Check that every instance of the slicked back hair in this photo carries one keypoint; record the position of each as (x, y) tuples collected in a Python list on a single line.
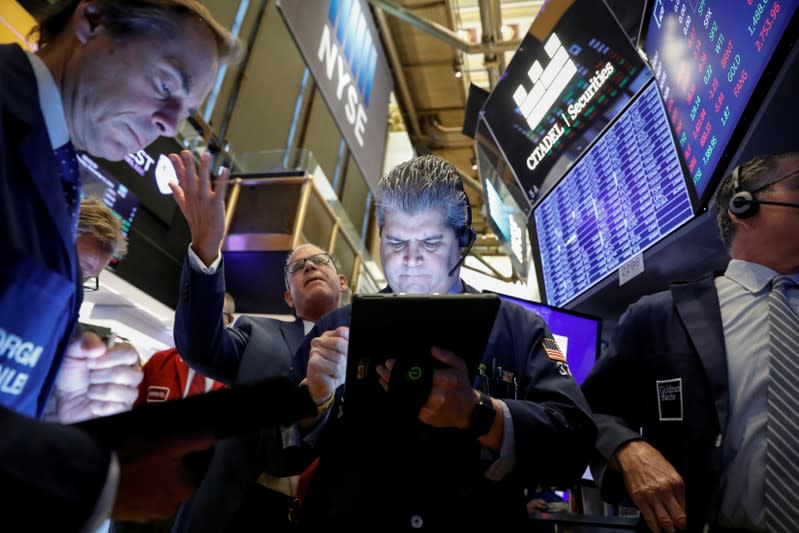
[(426, 182)]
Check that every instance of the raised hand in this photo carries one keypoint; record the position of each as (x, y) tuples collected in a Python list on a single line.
[(201, 204)]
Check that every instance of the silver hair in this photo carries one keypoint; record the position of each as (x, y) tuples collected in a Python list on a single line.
[(426, 182), (754, 174)]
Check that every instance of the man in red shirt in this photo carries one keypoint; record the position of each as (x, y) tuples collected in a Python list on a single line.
[(168, 377)]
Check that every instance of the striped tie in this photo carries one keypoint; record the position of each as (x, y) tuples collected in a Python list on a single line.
[(782, 430)]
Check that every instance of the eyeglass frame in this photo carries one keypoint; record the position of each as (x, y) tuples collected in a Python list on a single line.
[(89, 287), (287, 269)]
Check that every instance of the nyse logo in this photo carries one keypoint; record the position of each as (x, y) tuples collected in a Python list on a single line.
[(548, 83), (348, 52)]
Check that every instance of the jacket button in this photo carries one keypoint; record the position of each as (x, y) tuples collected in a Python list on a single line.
[(416, 521)]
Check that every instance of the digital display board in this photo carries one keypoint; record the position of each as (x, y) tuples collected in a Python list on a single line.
[(578, 335), (99, 183), (625, 194), (708, 57), (573, 72), (507, 222)]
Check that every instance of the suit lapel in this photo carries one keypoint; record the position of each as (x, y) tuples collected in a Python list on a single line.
[(698, 307), (293, 334), (34, 142)]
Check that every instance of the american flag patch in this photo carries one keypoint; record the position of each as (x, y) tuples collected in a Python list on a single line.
[(552, 350)]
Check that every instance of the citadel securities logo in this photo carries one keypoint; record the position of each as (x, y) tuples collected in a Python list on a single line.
[(548, 84), (348, 52)]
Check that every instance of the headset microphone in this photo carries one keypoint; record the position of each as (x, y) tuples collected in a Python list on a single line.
[(465, 234)]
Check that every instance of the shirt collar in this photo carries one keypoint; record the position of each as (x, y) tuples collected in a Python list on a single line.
[(50, 102), (752, 276)]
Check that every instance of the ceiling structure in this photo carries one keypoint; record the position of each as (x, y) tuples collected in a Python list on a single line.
[(436, 49)]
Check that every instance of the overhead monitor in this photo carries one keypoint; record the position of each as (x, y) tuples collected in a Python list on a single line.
[(578, 335), (574, 71), (714, 61), (626, 193)]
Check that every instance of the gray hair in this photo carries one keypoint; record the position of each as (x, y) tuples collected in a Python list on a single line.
[(757, 173), (135, 18), (426, 182)]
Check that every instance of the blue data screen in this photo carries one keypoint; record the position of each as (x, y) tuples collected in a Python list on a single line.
[(624, 195), (708, 57)]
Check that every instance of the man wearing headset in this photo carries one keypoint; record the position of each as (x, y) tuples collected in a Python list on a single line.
[(496, 444), (681, 397)]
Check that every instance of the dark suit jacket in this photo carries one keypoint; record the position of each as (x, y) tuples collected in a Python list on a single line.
[(663, 340), (50, 476), (253, 349), (387, 477)]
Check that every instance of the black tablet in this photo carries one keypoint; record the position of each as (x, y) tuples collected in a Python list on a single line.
[(223, 413), (405, 327)]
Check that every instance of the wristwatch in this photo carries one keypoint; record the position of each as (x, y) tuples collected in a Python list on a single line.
[(482, 416)]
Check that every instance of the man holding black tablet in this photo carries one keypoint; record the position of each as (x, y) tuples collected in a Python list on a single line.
[(476, 444)]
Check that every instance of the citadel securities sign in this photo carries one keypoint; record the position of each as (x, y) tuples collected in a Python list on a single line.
[(573, 72), (342, 48)]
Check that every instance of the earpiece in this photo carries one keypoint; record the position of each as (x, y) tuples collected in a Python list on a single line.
[(743, 204), (465, 234)]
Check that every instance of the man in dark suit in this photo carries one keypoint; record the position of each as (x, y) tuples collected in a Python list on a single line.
[(680, 398), (466, 463), (234, 492), (106, 81)]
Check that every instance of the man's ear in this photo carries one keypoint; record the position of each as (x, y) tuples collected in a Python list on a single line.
[(342, 282), (287, 297), (86, 20)]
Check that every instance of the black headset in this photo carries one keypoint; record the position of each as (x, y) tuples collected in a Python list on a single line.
[(465, 234), (744, 204)]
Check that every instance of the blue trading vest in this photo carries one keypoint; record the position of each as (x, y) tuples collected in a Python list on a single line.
[(28, 347)]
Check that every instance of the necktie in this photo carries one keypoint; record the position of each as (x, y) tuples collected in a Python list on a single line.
[(782, 429), (196, 383), (70, 180)]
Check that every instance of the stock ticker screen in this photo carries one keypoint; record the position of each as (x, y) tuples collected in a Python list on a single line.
[(97, 182), (708, 57), (625, 194)]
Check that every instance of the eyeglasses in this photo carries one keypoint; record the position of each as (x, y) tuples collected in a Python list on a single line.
[(317, 259), (91, 284)]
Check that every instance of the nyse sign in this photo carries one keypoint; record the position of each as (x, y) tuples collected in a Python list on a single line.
[(342, 49)]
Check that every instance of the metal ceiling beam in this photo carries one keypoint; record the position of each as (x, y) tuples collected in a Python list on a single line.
[(491, 21), (403, 92), (443, 33)]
